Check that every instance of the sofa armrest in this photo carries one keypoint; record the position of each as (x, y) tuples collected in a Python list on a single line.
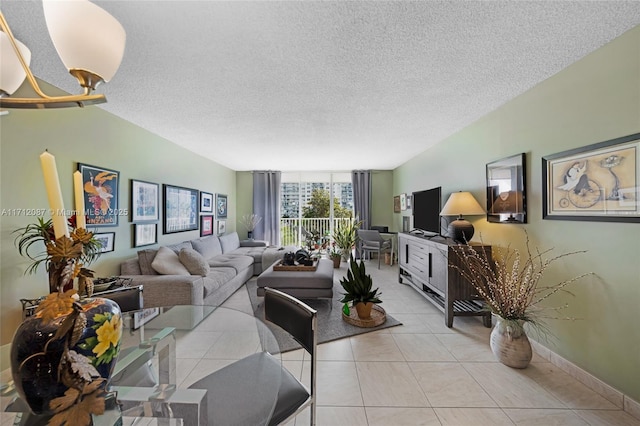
[(169, 290)]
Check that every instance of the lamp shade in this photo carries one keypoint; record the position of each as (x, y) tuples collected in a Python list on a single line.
[(11, 72), (461, 203), (86, 37), (458, 204)]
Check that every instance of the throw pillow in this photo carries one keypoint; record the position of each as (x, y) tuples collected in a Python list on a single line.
[(208, 247), (179, 246), (194, 262), (229, 242), (167, 263), (145, 258)]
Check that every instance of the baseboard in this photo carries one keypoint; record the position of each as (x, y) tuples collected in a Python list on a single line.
[(608, 392)]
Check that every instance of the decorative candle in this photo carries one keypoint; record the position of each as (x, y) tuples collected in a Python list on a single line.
[(54, 193), (78, 192)]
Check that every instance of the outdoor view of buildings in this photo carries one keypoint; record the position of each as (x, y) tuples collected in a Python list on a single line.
[(295, 195), (305, 210)]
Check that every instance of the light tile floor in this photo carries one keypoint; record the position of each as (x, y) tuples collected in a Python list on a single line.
[(423, 373)]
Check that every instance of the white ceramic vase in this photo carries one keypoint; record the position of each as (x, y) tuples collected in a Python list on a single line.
[(510, 344)]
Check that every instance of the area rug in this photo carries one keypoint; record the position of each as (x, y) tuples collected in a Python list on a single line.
[(331, 326)]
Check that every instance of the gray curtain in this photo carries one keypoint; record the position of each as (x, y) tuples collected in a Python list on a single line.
[(266, 204), (361, 181)]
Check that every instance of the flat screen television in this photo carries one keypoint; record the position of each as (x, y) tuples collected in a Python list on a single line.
[(426, 211)]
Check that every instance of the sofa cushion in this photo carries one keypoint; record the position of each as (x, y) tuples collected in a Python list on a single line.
[(255, 252), (179, 246), (145, 258), (229, 242), (194, 262), (217, 278), (208, 247), (167, 262), (235, 261)]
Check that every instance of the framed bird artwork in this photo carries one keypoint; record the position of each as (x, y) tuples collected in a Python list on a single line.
[(100, 195)]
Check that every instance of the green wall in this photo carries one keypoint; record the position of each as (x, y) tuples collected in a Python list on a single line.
[(92, 136), (382, 198), (244, 196), (593, 100)]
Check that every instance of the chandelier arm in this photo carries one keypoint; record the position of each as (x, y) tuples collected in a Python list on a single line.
[(45, 101), (32, 81)]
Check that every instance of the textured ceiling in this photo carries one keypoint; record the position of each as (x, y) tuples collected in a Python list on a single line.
[(327, 85)]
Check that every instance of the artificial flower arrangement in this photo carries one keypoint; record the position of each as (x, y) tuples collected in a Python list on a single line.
[(65, 259)]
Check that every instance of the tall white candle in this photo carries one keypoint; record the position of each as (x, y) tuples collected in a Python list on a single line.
[(54, 193), (78, 192)]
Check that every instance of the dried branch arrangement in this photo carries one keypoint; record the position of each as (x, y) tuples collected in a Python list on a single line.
[(510, 283)]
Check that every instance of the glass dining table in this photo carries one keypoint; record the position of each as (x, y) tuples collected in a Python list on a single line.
[(165, 352)]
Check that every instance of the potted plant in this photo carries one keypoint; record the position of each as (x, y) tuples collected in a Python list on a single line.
[(335, 255), (83, 249), (345, 235), (250, 221), (358, 289), (510, 288)]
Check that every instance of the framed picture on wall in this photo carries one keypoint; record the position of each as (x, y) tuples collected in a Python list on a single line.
[(222, 227), (206, 202), (145, 234), (106, 240), (506, 190), (145, 199), (396, 204), (598, 182), (206, 225), (100, 195), (180, 209), (221, 206), (403, 201)]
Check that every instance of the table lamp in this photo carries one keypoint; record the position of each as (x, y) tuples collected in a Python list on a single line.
[(458, 204)]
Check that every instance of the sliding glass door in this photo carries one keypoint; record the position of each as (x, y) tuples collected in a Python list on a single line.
[(311, 204)]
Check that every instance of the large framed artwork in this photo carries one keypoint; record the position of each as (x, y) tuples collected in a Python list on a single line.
[(180, 209), (506, 190), (221, 206), (597, 182), (100, 195), (145, 198)]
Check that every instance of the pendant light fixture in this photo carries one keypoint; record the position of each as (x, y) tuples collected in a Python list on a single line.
[(89, 41)]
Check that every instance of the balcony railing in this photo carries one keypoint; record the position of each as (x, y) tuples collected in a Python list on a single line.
[(296, 232)]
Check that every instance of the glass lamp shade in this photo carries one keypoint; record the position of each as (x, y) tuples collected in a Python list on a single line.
[(11, 72), (87, 38)]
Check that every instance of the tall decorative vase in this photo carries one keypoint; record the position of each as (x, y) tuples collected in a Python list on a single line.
[(35, 371), (510, 344)]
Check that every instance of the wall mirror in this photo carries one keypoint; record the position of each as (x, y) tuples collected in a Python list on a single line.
[(506, 190)]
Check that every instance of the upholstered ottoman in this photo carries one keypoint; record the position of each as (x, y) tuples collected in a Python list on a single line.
[(300, 284)]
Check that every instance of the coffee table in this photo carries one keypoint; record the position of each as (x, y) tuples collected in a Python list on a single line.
[(300, 284)]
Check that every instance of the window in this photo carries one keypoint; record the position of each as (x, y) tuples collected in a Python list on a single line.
[(309, 205)]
